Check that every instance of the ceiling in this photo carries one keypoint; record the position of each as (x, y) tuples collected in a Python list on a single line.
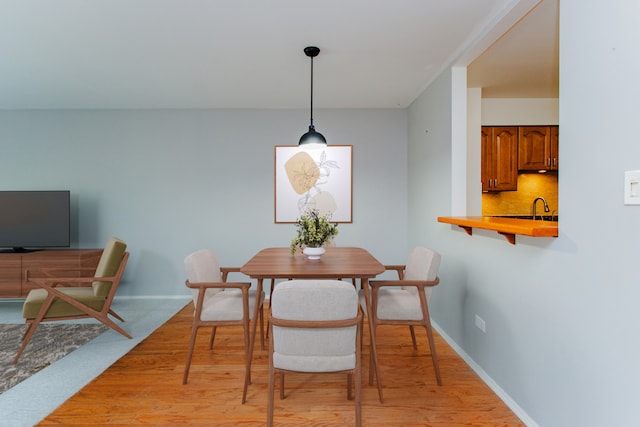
[(94, 54), (524, 62)]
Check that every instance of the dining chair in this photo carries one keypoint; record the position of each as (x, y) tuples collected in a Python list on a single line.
[(316, 327), (406, 301), (220, 303), (75, 296)]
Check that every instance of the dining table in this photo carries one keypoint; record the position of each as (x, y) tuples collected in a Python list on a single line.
[(336, 263)]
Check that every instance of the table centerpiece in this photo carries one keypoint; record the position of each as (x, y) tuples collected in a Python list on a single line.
[(314, 231)]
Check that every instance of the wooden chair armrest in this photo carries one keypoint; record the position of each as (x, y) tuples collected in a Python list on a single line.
[(226, 270), (213, 285), (397, 268), (417, 283), (313, 324)]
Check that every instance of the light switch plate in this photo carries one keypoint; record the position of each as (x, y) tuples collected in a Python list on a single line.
[(632, 187)]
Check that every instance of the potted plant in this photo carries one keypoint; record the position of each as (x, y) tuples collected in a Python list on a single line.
[(314, 230)]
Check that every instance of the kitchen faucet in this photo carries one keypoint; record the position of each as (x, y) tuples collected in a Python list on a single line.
[(546, 206)]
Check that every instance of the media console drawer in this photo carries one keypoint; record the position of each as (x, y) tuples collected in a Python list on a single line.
[(17, 269)]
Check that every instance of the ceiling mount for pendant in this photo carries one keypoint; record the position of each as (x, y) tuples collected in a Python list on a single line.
[(312, 137)]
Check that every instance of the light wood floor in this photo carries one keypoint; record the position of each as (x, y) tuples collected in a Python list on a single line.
[(145, 387)]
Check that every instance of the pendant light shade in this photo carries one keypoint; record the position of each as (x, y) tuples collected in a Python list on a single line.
[(312, 137)]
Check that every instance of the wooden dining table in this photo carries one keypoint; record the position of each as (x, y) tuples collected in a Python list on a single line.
[(335, 263)]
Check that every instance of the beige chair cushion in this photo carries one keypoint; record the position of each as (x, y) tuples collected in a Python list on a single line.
[(59, 308), (220, 304), (403, 303), (108, 265), (321, 349), (203, 266), (422, 264), (227, 305)]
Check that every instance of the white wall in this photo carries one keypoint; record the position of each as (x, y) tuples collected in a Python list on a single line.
[(524, 112), (561, 313), (172, 181)]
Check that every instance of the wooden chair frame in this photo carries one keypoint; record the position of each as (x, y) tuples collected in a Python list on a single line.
[(51, 283), (317, 324), (244, 322), (421, 285)]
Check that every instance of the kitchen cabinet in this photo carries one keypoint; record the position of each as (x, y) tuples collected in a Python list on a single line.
[(499, 167), (538, 148)]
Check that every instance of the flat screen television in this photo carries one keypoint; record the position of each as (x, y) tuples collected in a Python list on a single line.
[(34, 219)]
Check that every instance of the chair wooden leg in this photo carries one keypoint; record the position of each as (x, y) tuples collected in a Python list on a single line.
[(213, 338), (358, 379), (373, 358), (358, 402), (273, 283), (262, 327), (434, 355), (349, 385), (247, 359), (33, 325), (113, 325), (114, 314), (281, 385), (432, 344), (413, 337), (271, 392), (192, 342), (31, 328), (371, 367)]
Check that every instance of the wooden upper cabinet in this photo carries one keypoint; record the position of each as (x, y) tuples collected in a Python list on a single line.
[(554, 149), (538, 148), (499, 167)]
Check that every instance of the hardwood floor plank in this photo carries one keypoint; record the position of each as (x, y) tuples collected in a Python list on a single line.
[(145, 387)]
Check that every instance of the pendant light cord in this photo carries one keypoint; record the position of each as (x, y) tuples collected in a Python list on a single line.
[(311, 109), (312, 137)]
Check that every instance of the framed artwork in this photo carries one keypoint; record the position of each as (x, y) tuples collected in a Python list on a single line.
[(313, 178)]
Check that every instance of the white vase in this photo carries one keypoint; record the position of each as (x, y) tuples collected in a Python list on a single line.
[(313, 253)]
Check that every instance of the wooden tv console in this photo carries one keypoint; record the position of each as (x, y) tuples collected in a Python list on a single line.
[(16, 269)]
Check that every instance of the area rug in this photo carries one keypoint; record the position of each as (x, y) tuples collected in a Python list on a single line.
[(50, 342)]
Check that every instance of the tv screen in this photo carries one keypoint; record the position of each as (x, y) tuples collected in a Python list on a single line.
[(34, 219)]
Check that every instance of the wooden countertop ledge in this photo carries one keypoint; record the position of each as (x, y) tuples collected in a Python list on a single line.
[(508, 227)]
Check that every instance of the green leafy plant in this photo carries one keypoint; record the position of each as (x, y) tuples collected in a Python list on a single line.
[(314, 230)]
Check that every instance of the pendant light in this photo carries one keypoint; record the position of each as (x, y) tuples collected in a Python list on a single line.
[(312, 137)]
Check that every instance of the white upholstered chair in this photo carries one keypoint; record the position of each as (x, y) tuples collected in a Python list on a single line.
[(405, 301), (315, 327), (219, 303)]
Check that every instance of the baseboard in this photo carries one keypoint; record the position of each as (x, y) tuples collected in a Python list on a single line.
[(172, 297), (520, 413)]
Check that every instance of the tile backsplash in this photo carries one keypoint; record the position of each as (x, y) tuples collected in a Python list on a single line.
[(530, 186)]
